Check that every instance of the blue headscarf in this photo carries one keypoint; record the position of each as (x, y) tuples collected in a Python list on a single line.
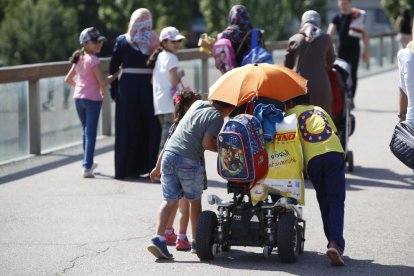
[(239, 23)]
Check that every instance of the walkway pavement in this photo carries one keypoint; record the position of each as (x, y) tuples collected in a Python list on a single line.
[(53, 222)]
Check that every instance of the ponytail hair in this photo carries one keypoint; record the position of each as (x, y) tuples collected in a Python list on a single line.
[(182, 102), (76, 55), (153, 58)]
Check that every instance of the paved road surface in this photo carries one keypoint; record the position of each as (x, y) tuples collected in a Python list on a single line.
[(53, 222)]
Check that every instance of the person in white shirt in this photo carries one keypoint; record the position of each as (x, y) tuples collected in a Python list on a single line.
[(405, 59), (165, 78)]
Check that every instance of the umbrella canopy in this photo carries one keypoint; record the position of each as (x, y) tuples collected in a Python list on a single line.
[(241, 84)]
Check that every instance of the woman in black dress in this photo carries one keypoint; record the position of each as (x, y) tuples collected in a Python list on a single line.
[(137, 129)]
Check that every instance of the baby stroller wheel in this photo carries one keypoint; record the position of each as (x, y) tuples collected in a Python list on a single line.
[(267, 251), (206, 225), (288, 238), (226, 247), (350, 161)]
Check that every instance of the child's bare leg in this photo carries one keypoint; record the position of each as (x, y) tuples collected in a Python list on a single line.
[(183, 215), (171, 219), (195, 211), (163, 215)]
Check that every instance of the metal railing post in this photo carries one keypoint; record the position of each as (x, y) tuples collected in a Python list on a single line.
[(204, 74), (35, 142), (106, 114), (381, 51)]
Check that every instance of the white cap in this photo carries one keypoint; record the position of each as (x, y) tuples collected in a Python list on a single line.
[(171, 33)]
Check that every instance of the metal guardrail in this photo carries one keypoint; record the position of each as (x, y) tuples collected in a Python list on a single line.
[(34, 72)]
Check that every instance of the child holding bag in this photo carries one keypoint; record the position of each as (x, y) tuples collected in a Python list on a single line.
[(165, 78)]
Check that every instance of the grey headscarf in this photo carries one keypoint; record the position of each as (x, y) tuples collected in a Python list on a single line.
[(312, 17), (310, 25)]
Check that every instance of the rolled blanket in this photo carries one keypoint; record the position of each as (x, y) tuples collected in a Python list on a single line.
[(268, 116)]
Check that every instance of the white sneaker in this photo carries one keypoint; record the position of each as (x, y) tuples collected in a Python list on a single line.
[(88, 173), (94, 166)]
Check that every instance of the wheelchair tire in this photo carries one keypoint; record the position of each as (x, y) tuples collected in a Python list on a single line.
[(206, 226), (288, 238), (350, 161)]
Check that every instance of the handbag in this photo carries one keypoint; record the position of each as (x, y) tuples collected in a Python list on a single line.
[(402, 143)]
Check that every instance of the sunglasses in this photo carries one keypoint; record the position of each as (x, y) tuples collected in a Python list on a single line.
[(176, 41)]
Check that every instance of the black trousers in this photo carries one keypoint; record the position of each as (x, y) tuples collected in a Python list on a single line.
[(353, 59)]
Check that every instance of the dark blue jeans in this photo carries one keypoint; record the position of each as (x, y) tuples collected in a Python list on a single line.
[(327, 173), (88, 112)]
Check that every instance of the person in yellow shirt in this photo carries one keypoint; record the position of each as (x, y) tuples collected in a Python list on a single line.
[(324, 160)]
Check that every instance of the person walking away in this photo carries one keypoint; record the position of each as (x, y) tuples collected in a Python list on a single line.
[(403, 24), (181, 170), (165, 78), (311, 54), (89, 91), (137, 129), (238, 31), (183, 101), (325, 164), (348, 24)]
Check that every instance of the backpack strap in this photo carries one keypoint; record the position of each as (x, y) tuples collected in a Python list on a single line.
[(242, 42), (255, 38)]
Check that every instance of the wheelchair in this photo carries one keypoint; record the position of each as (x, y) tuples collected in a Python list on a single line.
[(274, 223)]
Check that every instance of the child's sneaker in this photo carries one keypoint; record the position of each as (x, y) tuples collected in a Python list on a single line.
[(88, 173), (334, 253), (193, 247), (183, 245), (159, 249), (170, 238)]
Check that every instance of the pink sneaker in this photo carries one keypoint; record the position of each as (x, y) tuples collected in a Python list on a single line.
[(170, 238), (183, 245)]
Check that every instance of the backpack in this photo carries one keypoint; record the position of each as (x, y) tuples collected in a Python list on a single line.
[(256, 54), (241, 150), (223, 54)]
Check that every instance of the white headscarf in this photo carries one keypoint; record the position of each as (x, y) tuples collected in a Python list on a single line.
[(140, 34)]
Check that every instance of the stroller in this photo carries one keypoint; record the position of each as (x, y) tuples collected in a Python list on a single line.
[(341, 82), (277, 221)]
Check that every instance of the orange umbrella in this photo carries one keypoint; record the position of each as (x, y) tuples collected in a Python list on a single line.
[(241, 84)]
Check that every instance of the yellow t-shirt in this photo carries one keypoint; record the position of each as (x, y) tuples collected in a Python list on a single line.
[(318, 131)]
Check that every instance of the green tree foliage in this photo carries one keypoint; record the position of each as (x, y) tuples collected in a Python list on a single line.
[(47, 30), (394, 7), (37, 31), (175, 13)]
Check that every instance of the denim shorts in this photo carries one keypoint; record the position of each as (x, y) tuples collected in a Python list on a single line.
[(181, 176)]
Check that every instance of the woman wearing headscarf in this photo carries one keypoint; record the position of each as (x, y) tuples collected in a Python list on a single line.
[(238, 31), (137, 129), (239, 24), (310, 53)]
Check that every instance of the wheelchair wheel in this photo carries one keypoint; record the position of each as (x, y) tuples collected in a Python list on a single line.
[(301, 239), (350, 161), (288, 238), (206, 225)]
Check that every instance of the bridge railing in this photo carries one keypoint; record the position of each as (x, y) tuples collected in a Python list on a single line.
[(37, 114)]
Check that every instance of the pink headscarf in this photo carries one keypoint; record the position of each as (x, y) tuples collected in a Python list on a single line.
[(140, 33)]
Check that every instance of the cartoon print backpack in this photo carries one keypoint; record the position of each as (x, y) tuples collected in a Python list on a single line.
[(241, 150), (256, 54), (223, 54)]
